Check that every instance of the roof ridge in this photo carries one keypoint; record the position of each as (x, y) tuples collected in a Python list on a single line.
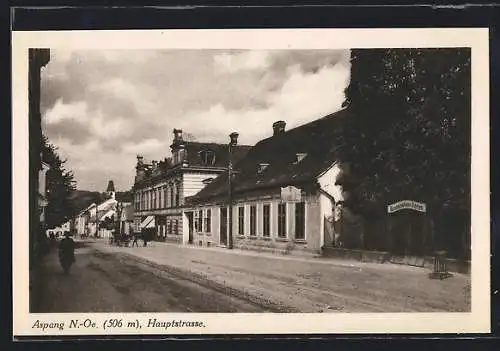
[(316, 138), (215, 143)]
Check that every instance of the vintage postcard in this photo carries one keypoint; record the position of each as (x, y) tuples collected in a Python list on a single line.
[(251, 182)]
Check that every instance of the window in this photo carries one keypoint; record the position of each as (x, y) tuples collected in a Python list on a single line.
[(176, 228), (207, 180), (300, 157), (153, 206), (241, 220), (165, 196), (207, 157), (177, 196), (262, 167), (300, 220), (253, 219), (208, 221), (200, 220), (282, 220), (169, 227), (171, 196), (160, 191), (266, 220), (196, 228)]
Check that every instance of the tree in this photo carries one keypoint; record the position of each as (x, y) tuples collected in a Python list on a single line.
[(409, 135), (60, 186)]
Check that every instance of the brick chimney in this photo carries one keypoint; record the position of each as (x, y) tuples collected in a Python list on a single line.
[(233, 138), (279, 127)]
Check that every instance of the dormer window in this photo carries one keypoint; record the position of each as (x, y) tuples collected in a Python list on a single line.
[(262, 167), (299, 157), (207, 181), (207, 157)]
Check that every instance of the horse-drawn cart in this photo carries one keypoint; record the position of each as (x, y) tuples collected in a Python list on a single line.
[(119, 239)]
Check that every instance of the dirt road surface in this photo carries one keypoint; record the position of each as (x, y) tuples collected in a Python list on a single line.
[(104, 282), (170, 278)]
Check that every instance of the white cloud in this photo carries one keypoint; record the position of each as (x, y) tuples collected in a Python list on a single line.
[(127, 102), (109, 129), (61, 111), (144, 147), (241, 61), (303, 98), (124, 90)]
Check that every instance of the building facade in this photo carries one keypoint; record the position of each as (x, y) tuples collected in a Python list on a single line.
[(42, 196), (160, 187), (126, 219), (89, 221), (38, 58), (284, 193), (82, 221)]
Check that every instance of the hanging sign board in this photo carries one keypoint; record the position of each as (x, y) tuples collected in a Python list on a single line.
[(291, 194), (407, 205)]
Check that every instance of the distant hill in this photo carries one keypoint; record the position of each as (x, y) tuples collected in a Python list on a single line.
[(83, 198)]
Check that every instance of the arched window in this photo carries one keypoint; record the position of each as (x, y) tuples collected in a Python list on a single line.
[(207, 157)]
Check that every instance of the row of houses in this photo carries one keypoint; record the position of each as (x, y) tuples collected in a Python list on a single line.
[(285, 193), (100, 220), (281, 193)]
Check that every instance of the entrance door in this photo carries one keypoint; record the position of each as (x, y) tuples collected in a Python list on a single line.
[(407, 231), (223, 226), (190, 226)]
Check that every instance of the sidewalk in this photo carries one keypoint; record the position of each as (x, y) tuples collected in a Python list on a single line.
[(312, 284)]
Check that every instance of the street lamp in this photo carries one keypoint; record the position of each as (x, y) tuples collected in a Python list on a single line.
[(233, 141)]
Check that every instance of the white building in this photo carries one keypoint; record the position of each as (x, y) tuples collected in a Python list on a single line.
[(85, 221)]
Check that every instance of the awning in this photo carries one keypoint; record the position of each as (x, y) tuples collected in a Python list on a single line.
[(149, 222)]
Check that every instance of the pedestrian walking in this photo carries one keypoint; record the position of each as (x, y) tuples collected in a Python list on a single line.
[(135, 240)]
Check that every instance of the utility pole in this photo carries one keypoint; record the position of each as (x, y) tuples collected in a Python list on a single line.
[(233, 141), (96, 220)]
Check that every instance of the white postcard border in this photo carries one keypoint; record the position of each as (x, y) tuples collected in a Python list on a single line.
[(477, 321)]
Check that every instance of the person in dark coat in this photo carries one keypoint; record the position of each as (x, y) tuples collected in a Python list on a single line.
[(67, 250), (136, 237)]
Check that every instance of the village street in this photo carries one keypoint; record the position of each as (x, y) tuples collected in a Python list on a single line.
[(170, 278)]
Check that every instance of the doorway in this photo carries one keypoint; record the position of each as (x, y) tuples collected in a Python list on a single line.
[(223, 226), (408, 234), (190, 221)]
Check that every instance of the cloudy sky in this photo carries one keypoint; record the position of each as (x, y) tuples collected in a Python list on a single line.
[(102, 108)]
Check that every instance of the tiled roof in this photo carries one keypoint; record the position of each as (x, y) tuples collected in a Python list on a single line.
[(316, 141), (220, 150), (194, 159)]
